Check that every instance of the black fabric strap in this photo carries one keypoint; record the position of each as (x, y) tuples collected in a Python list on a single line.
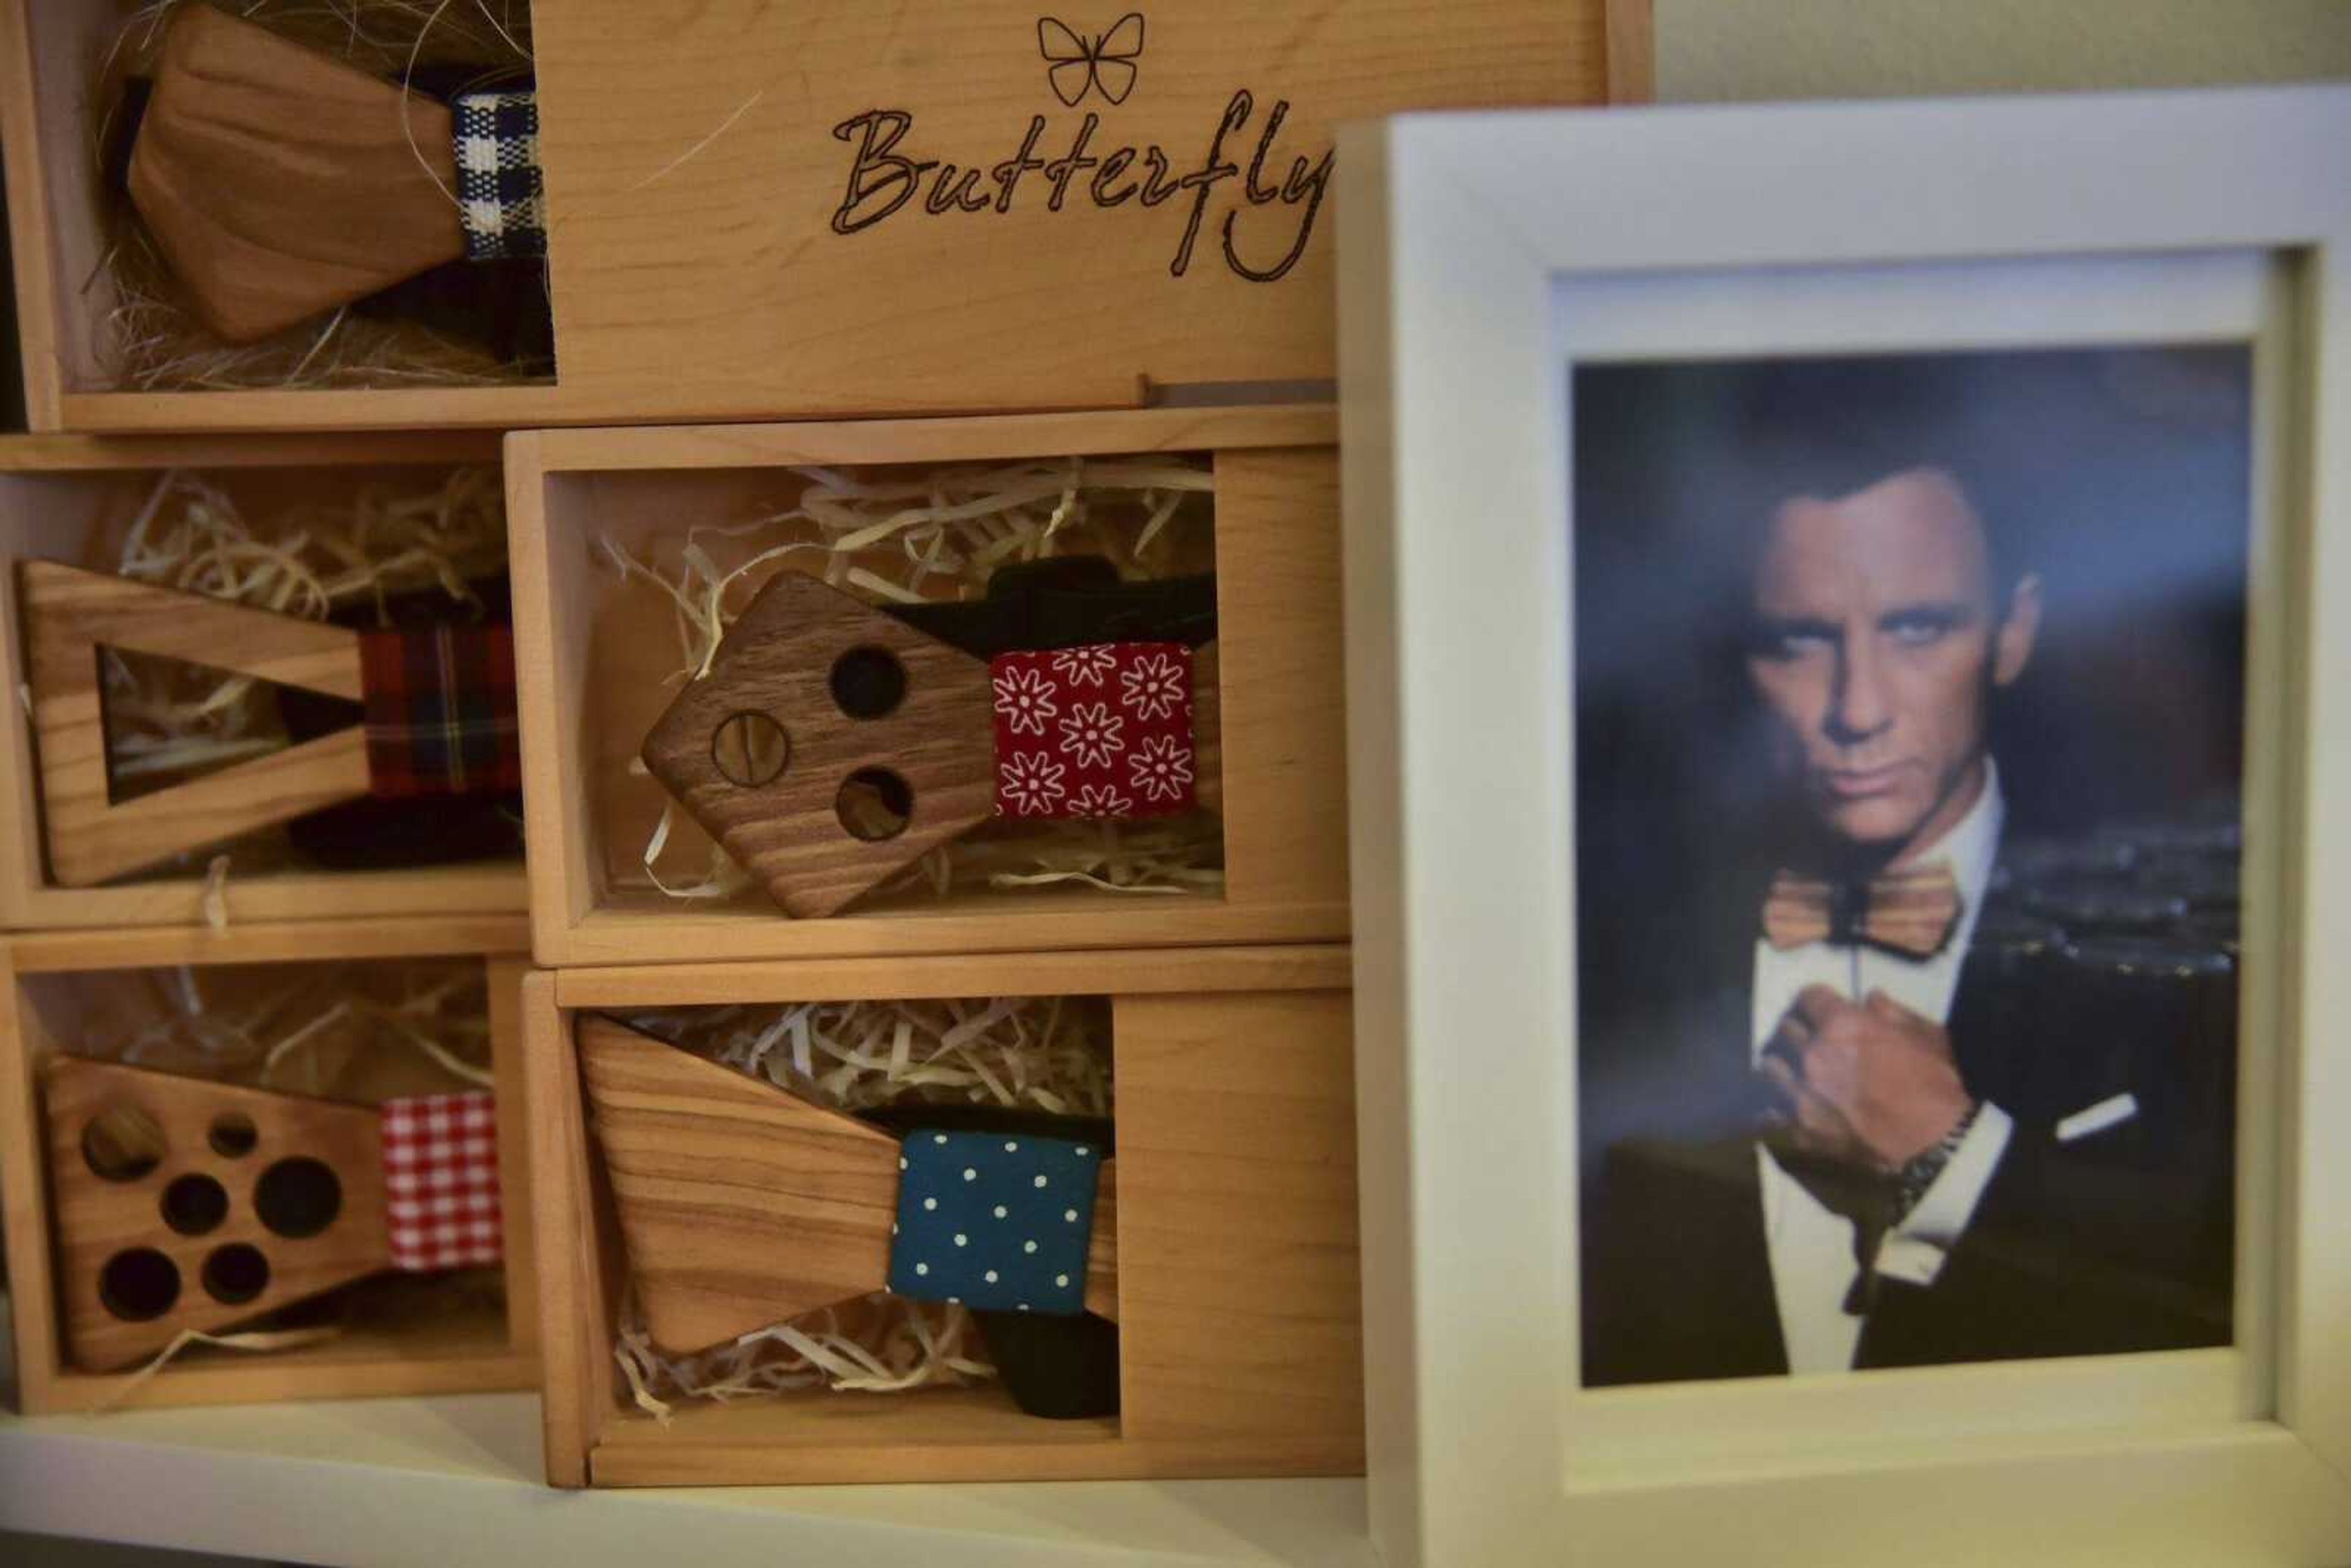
[(1066, 602)]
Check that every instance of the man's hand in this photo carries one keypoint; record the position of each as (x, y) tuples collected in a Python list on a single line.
[(1869, 1083)]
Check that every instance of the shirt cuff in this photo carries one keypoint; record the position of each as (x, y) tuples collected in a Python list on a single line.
[(1915, 1251)]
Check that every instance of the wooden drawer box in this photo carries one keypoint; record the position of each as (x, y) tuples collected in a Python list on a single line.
[(1237, 1286), (598, 655), (75, 993), (756, 211), (65, 217), (72, 499)]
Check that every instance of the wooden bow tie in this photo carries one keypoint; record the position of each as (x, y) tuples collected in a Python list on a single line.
[(1910, 910), (741, 1205), (437, 701), (187, 1205), (280, 183), (818, 701)]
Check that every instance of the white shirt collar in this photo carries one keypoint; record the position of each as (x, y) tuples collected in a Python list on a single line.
[(1973, 844)]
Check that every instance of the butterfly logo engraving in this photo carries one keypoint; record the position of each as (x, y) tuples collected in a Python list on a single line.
[(1078, 65)]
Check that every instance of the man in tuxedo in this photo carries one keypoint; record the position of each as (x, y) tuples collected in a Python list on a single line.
[(1837, 1123)]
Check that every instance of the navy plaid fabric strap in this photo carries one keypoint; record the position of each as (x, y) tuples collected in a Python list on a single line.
[(439, 708), (996, 1221), (502, 202)]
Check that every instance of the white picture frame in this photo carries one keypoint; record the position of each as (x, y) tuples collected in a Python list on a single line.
[(1481, 255)]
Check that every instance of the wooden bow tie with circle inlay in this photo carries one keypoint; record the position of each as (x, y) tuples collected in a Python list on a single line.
[(1910, 910), (184, 1205), (835, 741)]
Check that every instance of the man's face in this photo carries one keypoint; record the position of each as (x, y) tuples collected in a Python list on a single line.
[(1877, 646)]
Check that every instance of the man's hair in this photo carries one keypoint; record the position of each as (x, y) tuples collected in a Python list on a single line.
[(1826, 428)]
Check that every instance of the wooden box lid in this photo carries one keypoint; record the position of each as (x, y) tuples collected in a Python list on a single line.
[(836, 207)]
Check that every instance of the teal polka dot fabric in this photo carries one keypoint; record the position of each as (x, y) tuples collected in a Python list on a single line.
[(997, 1221)]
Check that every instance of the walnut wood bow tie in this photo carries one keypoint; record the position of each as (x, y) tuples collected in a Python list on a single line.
[(280, 183), (184, 1204), (1910, 910), (741, 1205), (834, 741)]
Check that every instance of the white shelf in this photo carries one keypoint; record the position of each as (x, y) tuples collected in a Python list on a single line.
[(456, 1480)]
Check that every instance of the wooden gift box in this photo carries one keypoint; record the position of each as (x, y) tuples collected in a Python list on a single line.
[(592, 653), (69, 498), (47, 988), (1238, 1290), (735, 226)]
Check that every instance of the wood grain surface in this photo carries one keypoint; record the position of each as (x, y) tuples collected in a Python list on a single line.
[(270, 941), (519, 1254), (1127, 972), (281, 182), (579, 1245), (1281, 657), (68, 615), (741, 1205), (97, 1218), (778, 661), (58, 206), (1187, 237), (1242, 1321)]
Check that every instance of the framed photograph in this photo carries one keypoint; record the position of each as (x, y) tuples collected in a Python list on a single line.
[(1841, 605)]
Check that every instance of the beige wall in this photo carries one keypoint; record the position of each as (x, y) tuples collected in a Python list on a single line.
[(1710, 50)]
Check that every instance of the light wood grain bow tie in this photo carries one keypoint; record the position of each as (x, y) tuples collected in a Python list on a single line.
[(789, 1207), (1910, 910), (185, 1205), (281, 183)]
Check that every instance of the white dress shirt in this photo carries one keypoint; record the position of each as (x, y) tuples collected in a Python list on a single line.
[(1812, 1245)]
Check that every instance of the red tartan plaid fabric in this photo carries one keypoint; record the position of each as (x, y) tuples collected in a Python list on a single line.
[(441, 1181), (439, 706), (1104, 730)]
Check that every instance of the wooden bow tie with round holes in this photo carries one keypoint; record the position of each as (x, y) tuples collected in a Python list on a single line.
[(819, 707), (1910, 910), (182, 1204), (741, 1205), (280, 183), (437, 705)]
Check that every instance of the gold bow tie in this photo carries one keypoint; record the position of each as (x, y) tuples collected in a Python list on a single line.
[(1910, 910)]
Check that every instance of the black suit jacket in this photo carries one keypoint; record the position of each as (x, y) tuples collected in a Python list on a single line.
[(2118, 1241)]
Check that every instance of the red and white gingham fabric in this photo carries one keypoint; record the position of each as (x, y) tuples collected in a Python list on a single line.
[(441, 1181)]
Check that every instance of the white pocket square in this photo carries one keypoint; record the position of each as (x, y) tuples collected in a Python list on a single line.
[(2098, 1118)]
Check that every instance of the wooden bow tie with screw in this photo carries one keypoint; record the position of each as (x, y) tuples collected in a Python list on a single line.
[(833, 742)]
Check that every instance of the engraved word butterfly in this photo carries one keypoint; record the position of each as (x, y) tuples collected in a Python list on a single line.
[(1080, 65)]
